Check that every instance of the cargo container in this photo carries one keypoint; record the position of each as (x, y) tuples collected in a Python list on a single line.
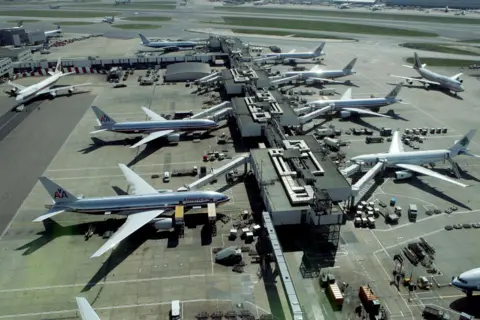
[(335, 295), (369, 300)]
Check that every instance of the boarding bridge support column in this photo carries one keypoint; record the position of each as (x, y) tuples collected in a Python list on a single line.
[(293, 302)]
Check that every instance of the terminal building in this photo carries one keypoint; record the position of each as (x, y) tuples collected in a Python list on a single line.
[(17, 54), (6, 67), (186, 71), (18, 37)]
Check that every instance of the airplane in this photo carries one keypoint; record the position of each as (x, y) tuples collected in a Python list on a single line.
[(53, 6), (348, 106), (145, 205), (86, 310), (24, 94), (167, 44), (19, 25), (292, 56), (109, 20), (157, 127), (344, 6), (260, 3), (53, 33), (427, 77), (468, 281), (122, 1), (315, 74), (412, 161)]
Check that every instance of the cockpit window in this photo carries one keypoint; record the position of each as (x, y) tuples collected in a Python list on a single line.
[(462, 281)]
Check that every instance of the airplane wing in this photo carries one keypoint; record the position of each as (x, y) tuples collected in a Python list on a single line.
[(365, 111), (50, 213), (63, 88), (134, 222), (17, 86), (152, 136), (292, 51), (428, 172), (347, 95), (152, 115), (455, 77), (396, 146), (137, 184), (86, 310), (324, 80), (417, 79), (266, 58)]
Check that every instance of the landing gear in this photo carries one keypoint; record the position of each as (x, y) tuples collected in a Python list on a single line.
[(376, 109), (469, 293)]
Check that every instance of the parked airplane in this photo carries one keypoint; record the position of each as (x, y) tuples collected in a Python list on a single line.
[(53, 33), (323, 76), (24, 94), (468, 281), (260, 3), (428, 78), (54, 6), (19, 25), (122, 1), (109, 20), (167, 44), (412, 161), (144, 205), (157, 128), (86, 310), (344, 6), (367, 106), (292, 56)]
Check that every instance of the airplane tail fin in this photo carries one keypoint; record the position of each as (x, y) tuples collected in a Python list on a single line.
[(461, 146), (58, 67), (319, 50), (102, 118), (417, 64), (394, 93), (350, 66), (58, 194), (144, 40), (20, 24)]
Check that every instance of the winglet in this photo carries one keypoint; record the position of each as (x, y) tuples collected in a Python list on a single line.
[(86, 310)]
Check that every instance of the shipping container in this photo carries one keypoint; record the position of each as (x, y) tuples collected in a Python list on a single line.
[(335, 295), (369, 300)]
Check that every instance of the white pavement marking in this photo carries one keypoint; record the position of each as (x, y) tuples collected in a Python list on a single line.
[(413, 238), (116, 167)]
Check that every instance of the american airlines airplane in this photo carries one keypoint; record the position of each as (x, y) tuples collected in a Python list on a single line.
[(145, 205), (86, 310), (53, 33), (293, 56), (348, 106), (323, 76), (427, 77), (158, 127), (24, 94), (468, 281), (167, 45), (412, 161)]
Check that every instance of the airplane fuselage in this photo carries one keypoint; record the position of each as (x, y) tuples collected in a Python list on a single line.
[(444, 81), (293, 55), (32, 91), (333, 74), (180, 44), (130, 204), (152, 126), (355, 103), (407, 157), (468, 281)]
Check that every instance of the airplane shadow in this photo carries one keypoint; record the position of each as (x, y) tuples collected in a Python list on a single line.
[(395, 116), (417, 183), (420, 87), (150, 148), (467, 305), (464, 174), (98, 143)]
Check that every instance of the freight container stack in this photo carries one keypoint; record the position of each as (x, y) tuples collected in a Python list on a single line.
[(335, 295), (369, 300)]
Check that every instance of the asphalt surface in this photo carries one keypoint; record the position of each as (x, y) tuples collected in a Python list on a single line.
[(29, 148)]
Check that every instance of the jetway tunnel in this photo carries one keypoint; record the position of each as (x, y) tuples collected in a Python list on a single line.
[(212, 111)]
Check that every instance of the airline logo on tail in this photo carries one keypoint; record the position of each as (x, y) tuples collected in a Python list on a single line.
[(60, 194), (464, 142), (105, 118)]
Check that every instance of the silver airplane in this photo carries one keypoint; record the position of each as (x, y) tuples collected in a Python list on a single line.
[(428, 78), (145, 205), (86, 310), (468, 281), (323, 76), (167, 45), (158, 127), (348, 106), (293, 56)]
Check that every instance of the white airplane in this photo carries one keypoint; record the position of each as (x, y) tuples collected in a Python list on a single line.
[(86, 310), (158, 127), (52, 33), (109, 20), (468, 281), (24, 94), (260, 3), (344, 6), (427, 77), (411, 161), (166, 45), (347, 106), (145, 205), (293, 56), (316, 74), (19, 25)]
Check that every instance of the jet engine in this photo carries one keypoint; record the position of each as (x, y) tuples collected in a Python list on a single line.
[(13, 90), (345, 114), (460, 80), (400, 175), (163, 223), (71, 90), (53, 94), (174, 137), (409, 82)]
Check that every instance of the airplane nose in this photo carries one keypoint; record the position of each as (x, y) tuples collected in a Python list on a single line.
[(462, 88)]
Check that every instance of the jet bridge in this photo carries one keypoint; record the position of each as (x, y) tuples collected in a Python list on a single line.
[(310, 116), (350, 170), (208, 78), (211, 111), (242, 160), (367, 177), (220, 115), (284, 80), (293, 301)]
